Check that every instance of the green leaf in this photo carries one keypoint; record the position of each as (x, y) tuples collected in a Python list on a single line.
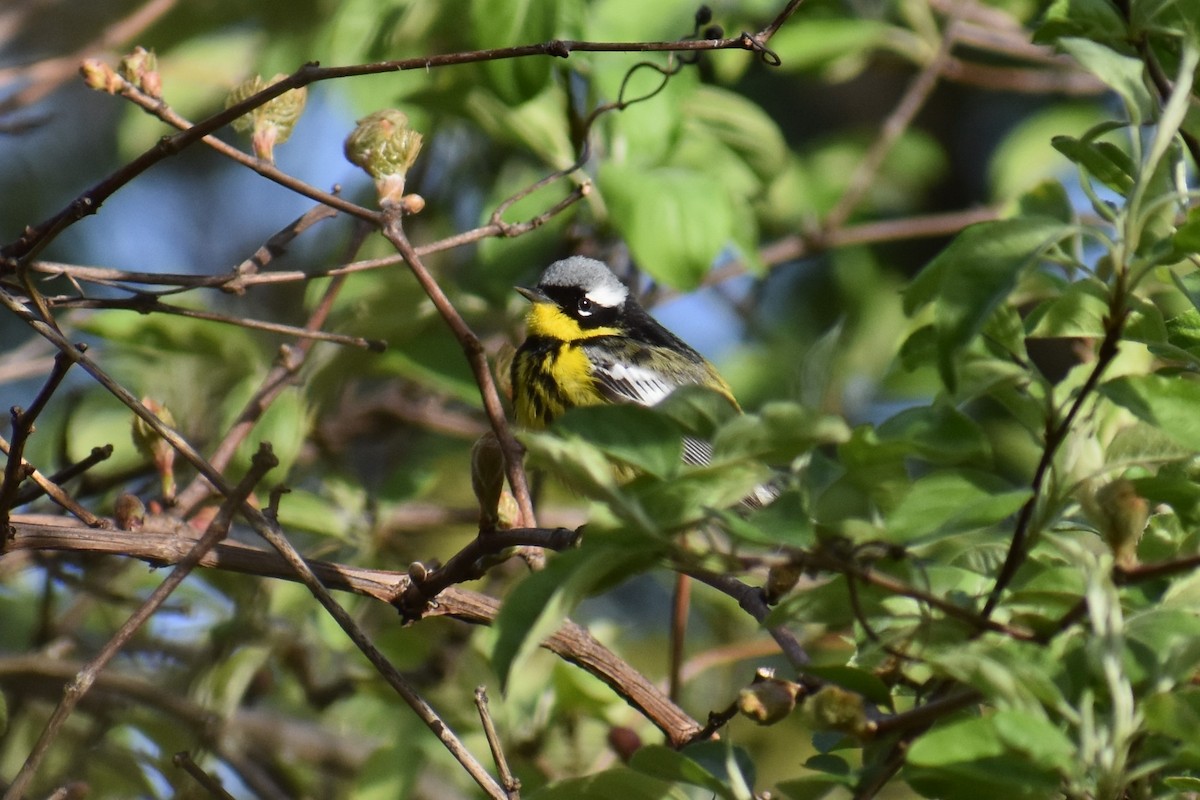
[(506, 23), (1093, 19), (784, 522), (1187, 235), (1122, 73), (868, 684), (676, 221), (973, 275), (939, 433), (1102, 160), (635, 435), (621, 782), (1079, 311), (779, 432), (1168, 403), (699, 409), (1012, 752), (815, 42), (670, 765), (538, 604), (685, 500), (945, 503), (739, 124)]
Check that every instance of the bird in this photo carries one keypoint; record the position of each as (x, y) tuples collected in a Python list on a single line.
[(589, 342)]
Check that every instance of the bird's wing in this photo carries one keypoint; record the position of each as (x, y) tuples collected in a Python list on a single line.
[(622, 372)]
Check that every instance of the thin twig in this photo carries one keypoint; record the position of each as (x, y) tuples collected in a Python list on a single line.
[(477, 358), (263, 461), (510, 783), (1056, 434), (751, 600), (163, 541), (184, 761), (50, 486), (680, 605), (893, 127), (38, 236), (29, 494), (17, 469), (148, 304)]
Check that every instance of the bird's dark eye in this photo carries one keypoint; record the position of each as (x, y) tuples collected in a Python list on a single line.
[(585, 306)]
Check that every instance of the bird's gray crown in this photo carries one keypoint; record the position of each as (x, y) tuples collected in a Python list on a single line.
[(594, 277)]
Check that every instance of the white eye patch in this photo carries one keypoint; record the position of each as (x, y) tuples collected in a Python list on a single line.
[(609, 295)]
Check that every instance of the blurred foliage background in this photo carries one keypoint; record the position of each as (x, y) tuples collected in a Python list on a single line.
[(773, 216)]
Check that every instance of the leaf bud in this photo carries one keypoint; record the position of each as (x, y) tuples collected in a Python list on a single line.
[(140, 68), (836, 709), (768, 699), (385, 147), (154, 447), (99, 76), (271, 123), (1122, 517)]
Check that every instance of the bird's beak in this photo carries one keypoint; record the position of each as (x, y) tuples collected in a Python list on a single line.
[(532, 295)]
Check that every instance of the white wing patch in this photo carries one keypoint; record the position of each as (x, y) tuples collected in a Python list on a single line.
[(632, 382)]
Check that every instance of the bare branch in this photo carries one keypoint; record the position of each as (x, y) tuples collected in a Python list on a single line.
[(263, 461)]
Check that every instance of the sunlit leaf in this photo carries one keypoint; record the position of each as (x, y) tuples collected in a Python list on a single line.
[(676, 221), (1168, 403)]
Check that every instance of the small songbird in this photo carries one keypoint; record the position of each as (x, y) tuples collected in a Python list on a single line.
[(589, 342)]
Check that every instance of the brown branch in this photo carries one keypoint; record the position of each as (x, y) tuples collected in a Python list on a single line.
[(889, 133), (263, 461), (510, 783), (476, 357), (1056, 434), (51, 488), (464, 565), (150, 304), (38, 236), (163, 541), (17, 469)]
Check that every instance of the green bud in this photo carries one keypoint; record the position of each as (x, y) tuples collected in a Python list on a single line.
[(140, 68), (271, 123), (768, 699), (99, 76), (836, 709), (1121, 514), (154, 447), (385, 147)]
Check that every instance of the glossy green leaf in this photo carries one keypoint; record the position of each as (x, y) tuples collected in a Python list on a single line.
[(538, 604), (675, 221), (1168, 403), (778, 433), (635, 435), (621, 782), (507, 23), (671, 765), (944, 503), (972, 276), (1102, 160), (1010, 748)]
